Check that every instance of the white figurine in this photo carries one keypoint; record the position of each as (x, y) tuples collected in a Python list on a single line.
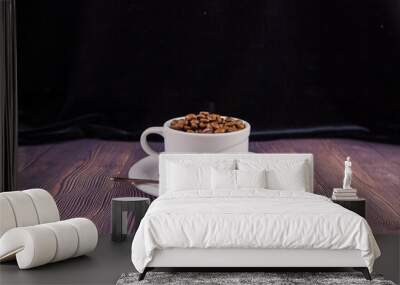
[(347, 174)]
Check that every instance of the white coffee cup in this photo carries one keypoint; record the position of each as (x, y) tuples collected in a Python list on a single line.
[(178, 141)]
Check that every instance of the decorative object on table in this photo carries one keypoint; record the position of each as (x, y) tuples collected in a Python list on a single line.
[(248, 278), (8, 96), (119, 214), (357, 205), (347, 192), (31, 231), (347, 174)]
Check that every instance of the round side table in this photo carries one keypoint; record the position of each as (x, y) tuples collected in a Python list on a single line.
[(119, 214)]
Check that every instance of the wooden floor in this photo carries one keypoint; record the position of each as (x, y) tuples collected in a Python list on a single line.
[(76, 173)]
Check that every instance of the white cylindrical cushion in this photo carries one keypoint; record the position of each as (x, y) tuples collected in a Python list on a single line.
[(34, 246), (45, 205), (67, 240), (41, 244), (87, 234), (7, 218), (23, 208)]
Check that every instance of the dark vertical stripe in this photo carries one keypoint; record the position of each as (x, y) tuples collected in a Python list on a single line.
[(8, 96)]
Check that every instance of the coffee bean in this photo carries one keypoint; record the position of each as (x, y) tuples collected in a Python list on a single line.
[(214, 125), (220, 130), (190, 117), (207, 131)]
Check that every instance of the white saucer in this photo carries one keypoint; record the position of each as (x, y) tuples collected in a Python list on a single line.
[(146, 168)]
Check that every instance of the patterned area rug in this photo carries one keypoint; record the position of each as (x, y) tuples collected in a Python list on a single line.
[(229, 278)]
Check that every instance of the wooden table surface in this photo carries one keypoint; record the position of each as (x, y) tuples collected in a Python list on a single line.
[(76, 173)]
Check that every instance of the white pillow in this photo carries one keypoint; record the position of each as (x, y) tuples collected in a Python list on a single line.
[(182, 177), (281, 174), (223, 179), (188, 174), (290, 179), (251, 178)]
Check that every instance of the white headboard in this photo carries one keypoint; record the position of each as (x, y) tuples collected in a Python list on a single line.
[(284, 157)]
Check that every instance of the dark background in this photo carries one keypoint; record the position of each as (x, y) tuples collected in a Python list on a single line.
[(112, 68)]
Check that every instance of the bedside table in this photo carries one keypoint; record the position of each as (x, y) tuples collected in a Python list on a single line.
[(119, 215), (357, 205)]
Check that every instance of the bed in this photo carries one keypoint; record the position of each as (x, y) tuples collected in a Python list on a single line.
[(245, 211)]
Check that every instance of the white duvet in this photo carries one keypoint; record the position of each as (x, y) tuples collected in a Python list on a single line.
[(250, 219)]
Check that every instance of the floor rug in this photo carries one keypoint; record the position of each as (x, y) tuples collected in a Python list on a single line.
[(243, 278)]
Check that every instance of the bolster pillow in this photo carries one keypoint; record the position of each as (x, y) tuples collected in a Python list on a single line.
[(40, 244)]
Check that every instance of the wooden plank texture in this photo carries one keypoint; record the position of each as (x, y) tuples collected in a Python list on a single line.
[(76, 174)]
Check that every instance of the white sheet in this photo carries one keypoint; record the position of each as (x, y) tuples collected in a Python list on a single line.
[(250, 218)]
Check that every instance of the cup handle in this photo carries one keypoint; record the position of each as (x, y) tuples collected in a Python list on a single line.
[(143, 139)]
